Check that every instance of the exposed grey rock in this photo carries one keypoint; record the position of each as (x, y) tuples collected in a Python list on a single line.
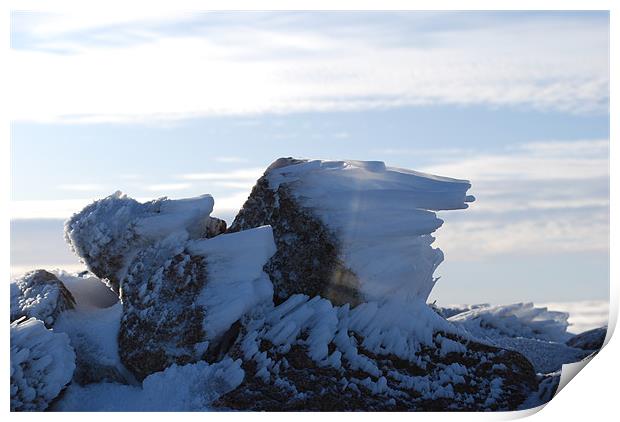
[(306, 260), (40, 294), (589, 340), (286, 371), (162, 324)]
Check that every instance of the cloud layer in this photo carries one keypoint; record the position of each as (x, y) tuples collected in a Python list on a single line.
[(74, 68)]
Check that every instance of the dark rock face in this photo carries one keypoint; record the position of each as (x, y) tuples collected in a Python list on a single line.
[(40, 294), (161, 323), (286, 377), (215, 226), (589, 340), (306, 260)]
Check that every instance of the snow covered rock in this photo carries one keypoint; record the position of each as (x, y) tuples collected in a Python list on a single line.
[(42, 363), (40, 294), (351, 231), (108, 233), (590, 340), (182, 298), (306, 354), (184, 388), (536, 333), (516, 320)]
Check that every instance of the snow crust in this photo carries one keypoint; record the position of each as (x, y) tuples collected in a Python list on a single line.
[(383, 217), (189, 387), (42, 363), (236, 281)]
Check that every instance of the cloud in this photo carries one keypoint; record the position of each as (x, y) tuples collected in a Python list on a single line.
[(236, 64), (250, 175), (231, 160), (81, 187), (166, 187), (535, 198)]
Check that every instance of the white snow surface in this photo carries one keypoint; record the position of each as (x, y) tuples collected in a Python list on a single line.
[(42, 363), (236, 281), (88, 291), (189, 387), (382, 216)]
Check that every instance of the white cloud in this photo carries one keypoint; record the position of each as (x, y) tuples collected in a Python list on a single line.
[(166, 187), (81, 187), (229, 160), (250, 174), (535, 198), (552, 63)]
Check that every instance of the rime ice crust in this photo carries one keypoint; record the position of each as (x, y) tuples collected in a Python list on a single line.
[(180, 298), (350, 230), (42, 363), (40, 294), (536, 333), (306, 354), (108, 233)]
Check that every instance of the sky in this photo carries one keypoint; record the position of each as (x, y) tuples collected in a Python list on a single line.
[(184, 104)]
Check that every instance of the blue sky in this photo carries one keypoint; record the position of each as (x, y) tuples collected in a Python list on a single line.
[(186, 104)]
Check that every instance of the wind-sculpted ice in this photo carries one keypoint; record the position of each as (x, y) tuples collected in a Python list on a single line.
[(351, 231), (537, 333), (42, 363), (108, 233), (40, 294)]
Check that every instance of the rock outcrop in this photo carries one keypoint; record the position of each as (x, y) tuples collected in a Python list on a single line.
[(317, 290), (181, 298), (108, 233), (591, 340), (350, 231), (40, 294), (306, 355)]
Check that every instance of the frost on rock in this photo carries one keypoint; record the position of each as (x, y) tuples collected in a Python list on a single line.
[(189, 387), (306, 354), (537, 333), (517, 320), (181, 299), (591, 340), (42, 363), (108, 233), (40, 294), (351, 231)]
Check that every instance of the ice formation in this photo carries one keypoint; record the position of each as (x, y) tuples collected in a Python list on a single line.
[(108, 233), (516, 320), (537, 333), (314, 299), (42, 363), (306, 354), (351, 231), (39, 294), (181, 297)]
